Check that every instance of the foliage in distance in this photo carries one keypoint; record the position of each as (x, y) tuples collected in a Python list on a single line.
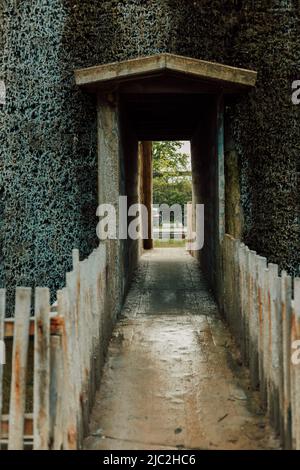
[(171, 174)]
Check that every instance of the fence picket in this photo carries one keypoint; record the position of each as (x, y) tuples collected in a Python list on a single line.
[(2, 346), (242, 262), (19, 367), (75, 258), (69, 402), (56, 393), (236, 313), (71, 326), (261, 274), (253, 322), (41, 398), (297, 365), (275, 334), (247, 304), (285, 401), (240, 296)]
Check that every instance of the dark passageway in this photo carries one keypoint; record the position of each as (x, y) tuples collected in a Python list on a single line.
[(171, 378)]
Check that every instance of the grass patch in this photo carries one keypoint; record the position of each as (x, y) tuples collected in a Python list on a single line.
[(169, 243)]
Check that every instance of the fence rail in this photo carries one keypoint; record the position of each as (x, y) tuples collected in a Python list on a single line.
[(262, 307), (69, 346)]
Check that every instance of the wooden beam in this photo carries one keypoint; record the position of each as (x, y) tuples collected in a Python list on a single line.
[(147, 188), (147, 66), (28, 427), (56, 324)]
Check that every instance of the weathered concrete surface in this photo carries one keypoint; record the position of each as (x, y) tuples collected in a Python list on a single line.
[(141, 66), (110, 187), (172, 377), (207, 150)]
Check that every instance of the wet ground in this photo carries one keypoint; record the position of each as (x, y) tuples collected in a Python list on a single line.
[(173, 378)]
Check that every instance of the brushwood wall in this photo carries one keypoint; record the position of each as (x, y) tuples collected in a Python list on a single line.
[(48, 169)]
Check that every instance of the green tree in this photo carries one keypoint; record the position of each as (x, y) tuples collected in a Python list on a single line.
[(171, 193), (168, 160), (171, 174)]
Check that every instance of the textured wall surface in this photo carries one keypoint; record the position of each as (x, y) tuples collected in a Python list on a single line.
[(48, 180), (267, 134)]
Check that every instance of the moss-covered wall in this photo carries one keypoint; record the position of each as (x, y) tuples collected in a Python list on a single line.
[(48, 178)]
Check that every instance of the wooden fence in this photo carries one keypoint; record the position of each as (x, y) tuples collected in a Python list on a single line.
[(262, 306), (69, 341), (70, 338)]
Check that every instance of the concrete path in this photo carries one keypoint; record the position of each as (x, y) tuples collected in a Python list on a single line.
[(173, 378)]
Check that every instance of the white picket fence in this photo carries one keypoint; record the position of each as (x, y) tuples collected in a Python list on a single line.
[(69, 346), (262, 306)]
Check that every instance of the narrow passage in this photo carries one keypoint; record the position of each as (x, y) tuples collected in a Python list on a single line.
[(173, 378)]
